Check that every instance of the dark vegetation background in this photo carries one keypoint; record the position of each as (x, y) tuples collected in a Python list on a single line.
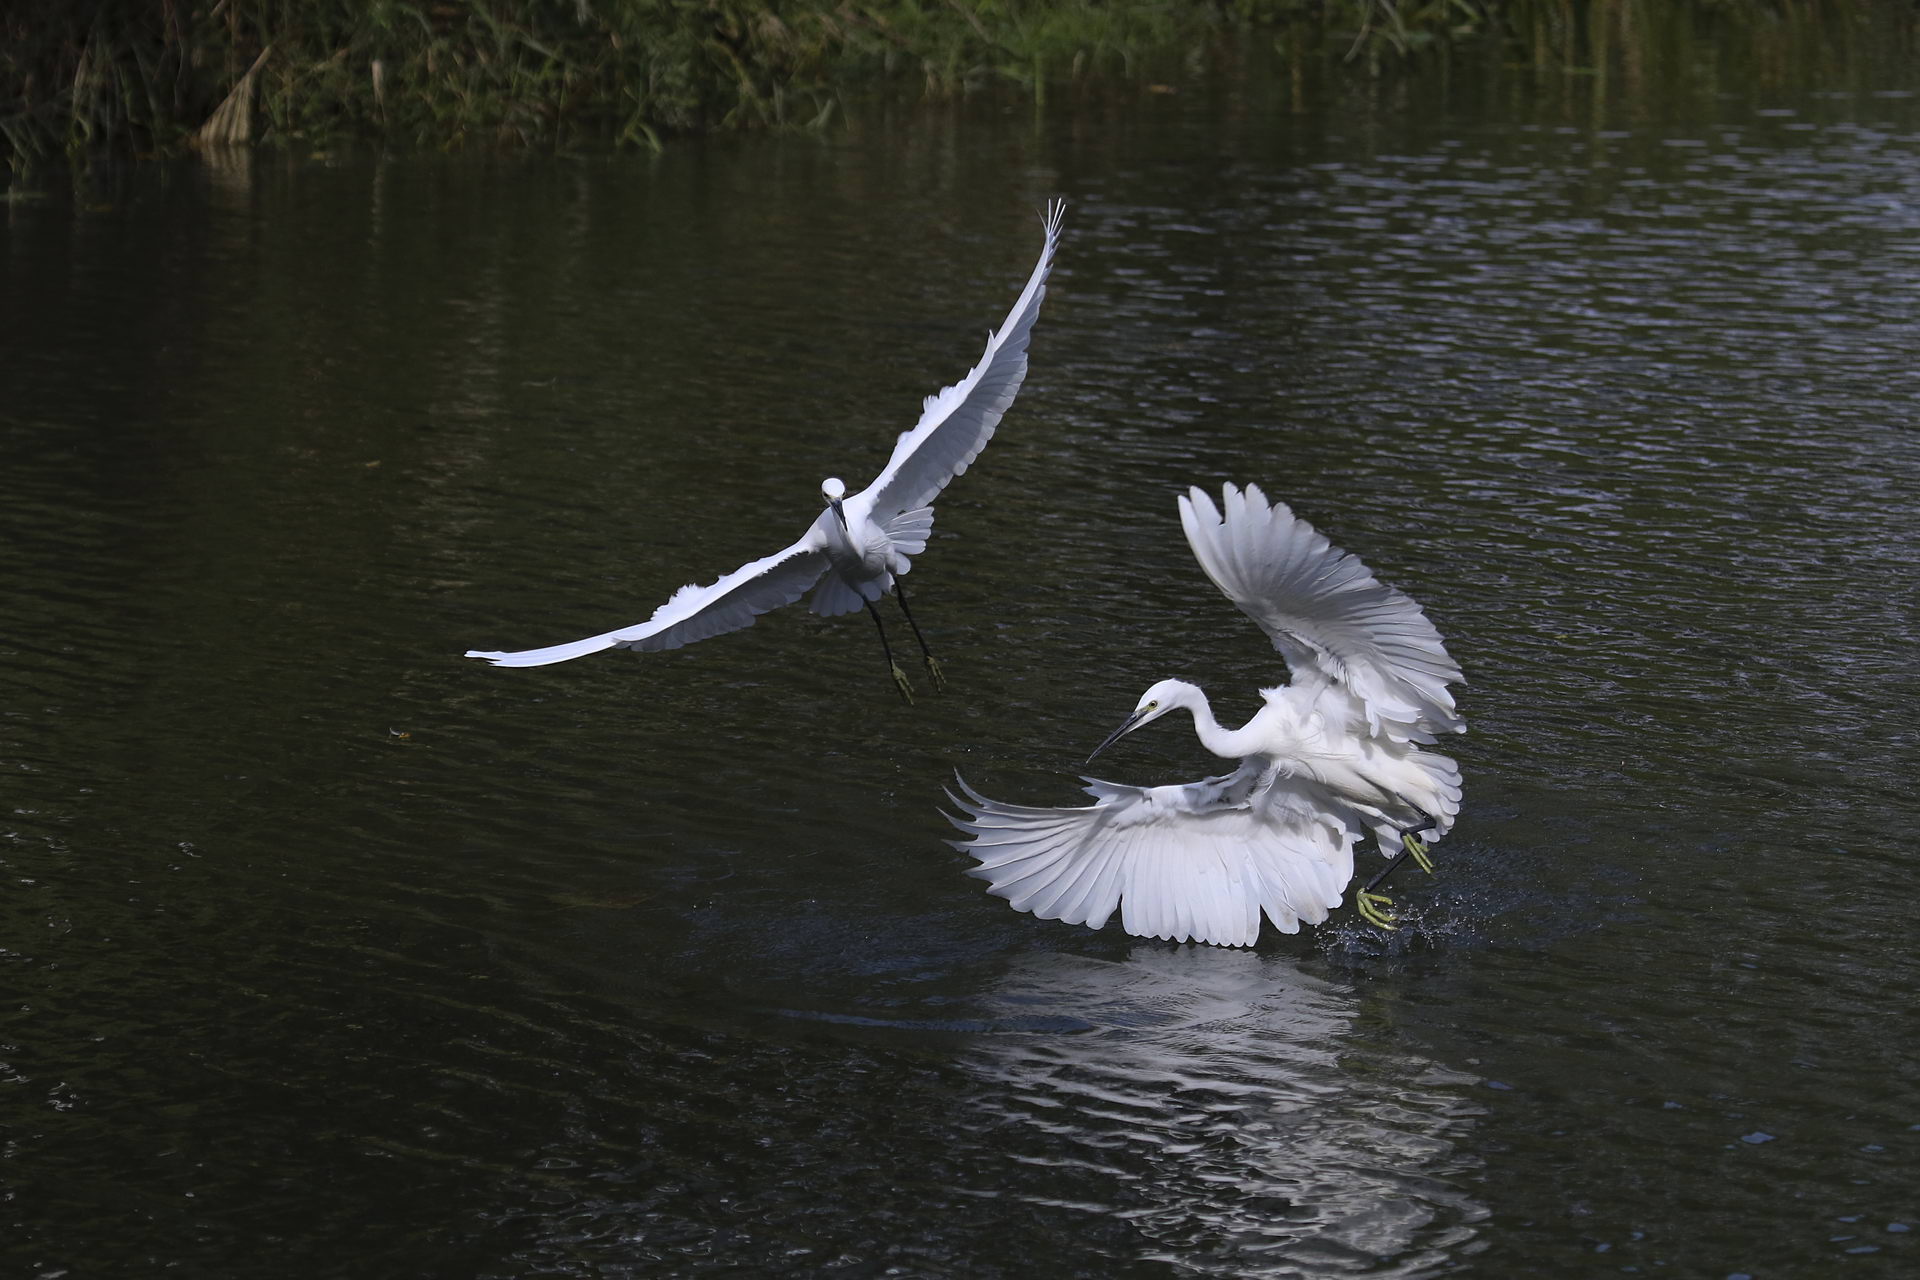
[(156, 74)]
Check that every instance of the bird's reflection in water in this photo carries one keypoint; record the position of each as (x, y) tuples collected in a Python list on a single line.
[(1212, 1098)]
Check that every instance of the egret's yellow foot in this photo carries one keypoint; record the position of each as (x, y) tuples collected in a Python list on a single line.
[(939, 676), (1418, 848), (900, 683), (1375, 908)]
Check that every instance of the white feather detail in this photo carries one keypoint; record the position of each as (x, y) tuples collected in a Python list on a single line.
[(1199, 862), (1326, 613), (956, 424), (693, 612)]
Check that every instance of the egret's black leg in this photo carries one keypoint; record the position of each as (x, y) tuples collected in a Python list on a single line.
[(899, 676), (933, 664), (1377, 907), (1381, 876)]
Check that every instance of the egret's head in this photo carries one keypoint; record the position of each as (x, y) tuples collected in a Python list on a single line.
[(833, 491), (1154, 703)]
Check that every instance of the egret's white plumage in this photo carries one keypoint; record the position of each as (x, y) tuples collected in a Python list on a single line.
[(1339, 751), (859, 545)]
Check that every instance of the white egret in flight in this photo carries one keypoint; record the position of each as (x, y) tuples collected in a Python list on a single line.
[(1339, 751), (860, 544)]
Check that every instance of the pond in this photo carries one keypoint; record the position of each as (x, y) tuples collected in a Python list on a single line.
[(327, 952)]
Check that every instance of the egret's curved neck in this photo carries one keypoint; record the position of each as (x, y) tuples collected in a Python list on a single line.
[(1231, 744)]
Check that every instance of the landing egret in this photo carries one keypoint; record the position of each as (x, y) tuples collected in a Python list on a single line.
[(1339, 751), (860, 544)]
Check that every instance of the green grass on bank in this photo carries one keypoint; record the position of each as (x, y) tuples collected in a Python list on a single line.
[(449, 71), (156, 74)]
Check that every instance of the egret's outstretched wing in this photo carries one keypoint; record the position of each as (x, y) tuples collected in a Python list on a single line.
[(956, 424), (698, 613), (1325, 611), (1186, 863)]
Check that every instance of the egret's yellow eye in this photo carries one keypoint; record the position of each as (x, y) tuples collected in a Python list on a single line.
[(1150, 706)]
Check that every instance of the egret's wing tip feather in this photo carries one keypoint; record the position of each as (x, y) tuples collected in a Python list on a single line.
[(1182, 863), (1324, 610), (730, 602), (956, 424)]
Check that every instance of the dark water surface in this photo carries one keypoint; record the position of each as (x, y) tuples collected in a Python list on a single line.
[(324, 952)]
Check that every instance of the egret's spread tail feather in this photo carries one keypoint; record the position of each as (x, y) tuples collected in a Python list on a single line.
[(836, 596)]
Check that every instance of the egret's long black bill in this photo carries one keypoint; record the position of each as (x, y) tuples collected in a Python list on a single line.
[(838, 513), (1117, 734)]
